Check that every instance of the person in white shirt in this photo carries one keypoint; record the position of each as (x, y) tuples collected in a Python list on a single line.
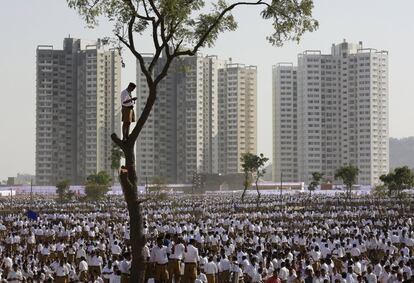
[(370, 277), (128, 115), (224, 266), (62, 273), (160, 258), (283, 272), (211, 270), (201, 277), (176, 256), (190, 261), (385, 275), (116, 250), (95, 263), (15, 275), (107, 271), (115, 277), (83, 269), (125, 267)]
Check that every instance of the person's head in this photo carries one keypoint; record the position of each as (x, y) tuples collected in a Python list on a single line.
[(159, 241), (131, 87), (369, 269)]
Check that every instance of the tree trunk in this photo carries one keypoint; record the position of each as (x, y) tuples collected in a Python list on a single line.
[(128, 180), (244, 193), (246, 184), (258, 192)]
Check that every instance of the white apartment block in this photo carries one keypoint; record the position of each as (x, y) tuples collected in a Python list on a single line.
[(285, 143), (181, 136), (340, 115), (77, 109), (156, 145), (237, 92)]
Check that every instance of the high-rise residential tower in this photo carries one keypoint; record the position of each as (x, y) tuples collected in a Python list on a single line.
[(237, 92), (329, 111), (77, 109), (181, 136)]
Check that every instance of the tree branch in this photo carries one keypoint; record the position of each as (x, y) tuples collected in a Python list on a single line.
[(215, 23), (134, 11), (118, 141)]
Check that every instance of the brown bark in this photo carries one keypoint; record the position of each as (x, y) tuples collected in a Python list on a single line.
[(128, 181), (258, 192)]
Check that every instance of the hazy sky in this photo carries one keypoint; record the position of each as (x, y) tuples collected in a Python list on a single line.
[(24, 24)]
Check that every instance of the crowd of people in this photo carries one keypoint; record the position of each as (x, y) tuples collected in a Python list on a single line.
[(211, 239)]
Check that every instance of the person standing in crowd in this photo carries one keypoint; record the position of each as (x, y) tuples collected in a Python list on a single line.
[(191, 258)]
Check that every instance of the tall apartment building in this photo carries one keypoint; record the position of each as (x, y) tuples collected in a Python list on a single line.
[(329, 111), (77, 108), (237, 91), (181, 136)]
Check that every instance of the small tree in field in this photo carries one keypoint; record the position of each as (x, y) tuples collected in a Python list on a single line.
[(402, 178), (63, 192), (253, 165), (159, 184), (316, 179), (348, 174), (97, 185), (177, 28)]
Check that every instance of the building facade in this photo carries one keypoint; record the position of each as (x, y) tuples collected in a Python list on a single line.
[(182, 137), (77, 109), (237, 92), (329, 111)]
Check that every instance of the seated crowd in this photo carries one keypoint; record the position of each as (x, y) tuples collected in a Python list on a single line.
[(212, 239)]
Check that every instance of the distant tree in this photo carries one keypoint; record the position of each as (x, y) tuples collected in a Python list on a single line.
[(63, 192), (402, 178), (159, 184), (116, 155), (380, 191), (253, 167), (348, 174), (316, 179), (178, 28), (97, 185)]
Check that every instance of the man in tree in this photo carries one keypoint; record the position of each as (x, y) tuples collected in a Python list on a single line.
[(128, 115)]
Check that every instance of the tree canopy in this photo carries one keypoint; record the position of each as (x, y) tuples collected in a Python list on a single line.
[(348, 174), (316, 179), (252, 165), (398, 180), (177, 28), (63, 192), (182, 27), (97, 185)]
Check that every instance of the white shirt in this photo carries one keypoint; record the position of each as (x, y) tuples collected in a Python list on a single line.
[(116, 250), (125, 95), (125, 266), (371, 278), (210, 268), (191, 255), (159, 255), (107, 272), (83, 266), (17, 275), (114, 278), (201, 278), (178, 251), (62, 271)]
